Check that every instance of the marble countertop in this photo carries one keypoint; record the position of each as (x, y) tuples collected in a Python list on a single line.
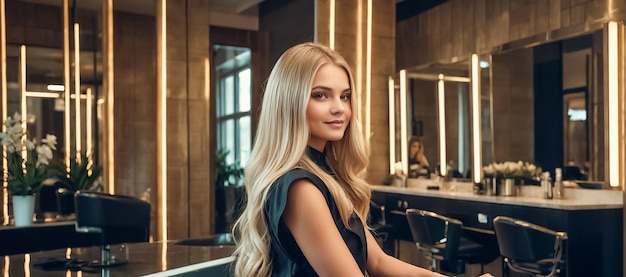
[(575, 199)]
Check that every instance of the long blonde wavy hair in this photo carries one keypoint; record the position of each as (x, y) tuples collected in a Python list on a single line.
[(281, 145)]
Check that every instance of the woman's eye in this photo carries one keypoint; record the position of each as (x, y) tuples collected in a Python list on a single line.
[(345, 96), (319, 95)]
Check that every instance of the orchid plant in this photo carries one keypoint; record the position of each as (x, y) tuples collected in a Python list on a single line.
[(510, 170), (27, 160)]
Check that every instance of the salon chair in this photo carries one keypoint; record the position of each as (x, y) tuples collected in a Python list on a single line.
[(117, 218), (530, 248), (381, 230), (441, 239)]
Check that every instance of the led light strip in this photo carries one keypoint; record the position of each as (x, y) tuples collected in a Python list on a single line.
[(441, 103), (77, 114), (613, 101), (476, 116), (331, 25), (392, 126), (23, 107), (403, 122), (66, 83), (3, 85), (89, 129), (109, 104), (162, 115), (368, 76)]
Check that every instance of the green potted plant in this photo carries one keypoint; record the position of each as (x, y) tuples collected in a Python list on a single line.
[(229, 191), (28, 166), (81, 174)]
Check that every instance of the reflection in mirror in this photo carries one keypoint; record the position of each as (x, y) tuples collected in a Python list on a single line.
[(548, 107), (53, 72), (438, 116)]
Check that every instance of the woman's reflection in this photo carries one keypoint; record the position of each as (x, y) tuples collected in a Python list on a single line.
[(418, 163)]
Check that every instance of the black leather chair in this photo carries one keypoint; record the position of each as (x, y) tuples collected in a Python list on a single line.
[(530, 248), (117, 218), (441, 238), (382, 231)]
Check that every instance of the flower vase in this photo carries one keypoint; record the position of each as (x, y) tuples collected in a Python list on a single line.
[(23, 209), (508, 187)]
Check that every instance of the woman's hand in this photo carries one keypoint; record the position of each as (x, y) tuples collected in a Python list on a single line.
[(486, 275)]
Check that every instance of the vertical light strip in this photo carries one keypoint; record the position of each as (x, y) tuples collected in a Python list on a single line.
[(477, 150), (22, 80), (5, 113), (331, 25), (403, 123), (66, 82), (77, 114), (359, 58), (89, 129), (392, 126), (88, 123), (441, 119), (368, 76), (109, 104), (162, 114), (613, 101)]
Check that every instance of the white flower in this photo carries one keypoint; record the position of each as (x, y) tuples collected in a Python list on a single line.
[(44, 154), (50, 141), (29, 144)]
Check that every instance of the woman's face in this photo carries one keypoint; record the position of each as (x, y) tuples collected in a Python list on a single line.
[(415, 148), (328, 111)]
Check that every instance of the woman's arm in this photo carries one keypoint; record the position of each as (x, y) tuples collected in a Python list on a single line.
[(309, 219), (379, 264)]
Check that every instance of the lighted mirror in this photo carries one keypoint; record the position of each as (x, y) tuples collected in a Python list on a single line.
[(549, 108), (437, 117), (54, 74)]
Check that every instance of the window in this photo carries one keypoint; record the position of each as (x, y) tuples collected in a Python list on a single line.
[(233, 102)]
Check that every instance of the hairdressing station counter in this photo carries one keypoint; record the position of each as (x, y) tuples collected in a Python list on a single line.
[(150, 259), (593, 219)]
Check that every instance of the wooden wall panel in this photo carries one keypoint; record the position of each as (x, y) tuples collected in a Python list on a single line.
[(458, 27), (353, 46)]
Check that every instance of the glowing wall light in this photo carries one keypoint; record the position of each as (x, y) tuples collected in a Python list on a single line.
[(162, 115), (613, 84), (403, 128), (66, 82), (331, 25), (368, 76), (392, 126), (108, 95), (77, 127), (476, 122), (3, 95), (441, 109)]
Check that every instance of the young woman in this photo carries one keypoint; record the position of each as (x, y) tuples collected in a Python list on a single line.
[(306, 197), (418, 163)]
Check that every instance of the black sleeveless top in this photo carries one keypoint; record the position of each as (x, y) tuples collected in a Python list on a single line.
[(287, 258)]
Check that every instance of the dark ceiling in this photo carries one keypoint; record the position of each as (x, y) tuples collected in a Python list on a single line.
[(408, 8)]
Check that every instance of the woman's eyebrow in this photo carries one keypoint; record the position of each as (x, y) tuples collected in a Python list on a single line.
[(328, 88)]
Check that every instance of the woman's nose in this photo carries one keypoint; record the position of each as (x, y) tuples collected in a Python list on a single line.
[(337, 106)]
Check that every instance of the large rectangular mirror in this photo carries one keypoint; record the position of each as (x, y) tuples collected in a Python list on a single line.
[(549, 107), (438, 121)]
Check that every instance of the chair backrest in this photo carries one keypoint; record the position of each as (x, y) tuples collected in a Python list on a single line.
[(118, 218), (527, 242), (431, 229)]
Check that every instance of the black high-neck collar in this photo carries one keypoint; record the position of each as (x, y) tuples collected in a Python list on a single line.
[(318, 157)]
